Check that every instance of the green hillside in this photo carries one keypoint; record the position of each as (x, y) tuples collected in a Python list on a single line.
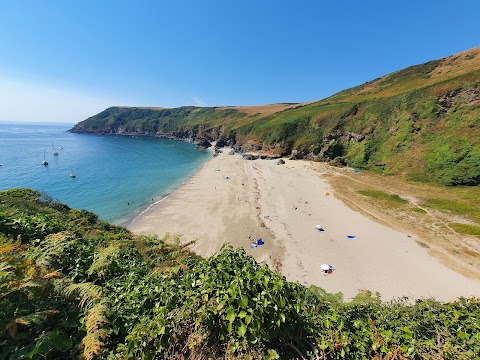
[(72, 286), (422, 122)]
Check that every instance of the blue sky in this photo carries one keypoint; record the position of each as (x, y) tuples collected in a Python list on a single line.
[(63, 61)]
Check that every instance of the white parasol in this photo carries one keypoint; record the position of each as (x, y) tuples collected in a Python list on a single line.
[(325, 267)]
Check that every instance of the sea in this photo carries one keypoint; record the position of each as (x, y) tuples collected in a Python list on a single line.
[(116, 177)]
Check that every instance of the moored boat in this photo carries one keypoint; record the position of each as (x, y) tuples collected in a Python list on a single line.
[(44, 162)]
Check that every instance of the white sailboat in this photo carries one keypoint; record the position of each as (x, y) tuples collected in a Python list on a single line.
[(44, 162), (54, 151)]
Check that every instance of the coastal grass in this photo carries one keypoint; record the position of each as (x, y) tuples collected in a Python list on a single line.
[(466, 229), (418, 210), (453, 206), (390, 199)]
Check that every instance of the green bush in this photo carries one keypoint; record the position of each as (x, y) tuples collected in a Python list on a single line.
[(100, 292), (457, 164)]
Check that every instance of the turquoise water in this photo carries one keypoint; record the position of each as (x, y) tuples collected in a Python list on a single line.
[(111, 171)]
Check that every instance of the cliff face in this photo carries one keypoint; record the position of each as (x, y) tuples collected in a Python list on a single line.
[(422, 121)]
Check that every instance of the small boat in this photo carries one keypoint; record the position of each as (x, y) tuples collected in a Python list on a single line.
[(44, 162), (54, 151), (72, 174)]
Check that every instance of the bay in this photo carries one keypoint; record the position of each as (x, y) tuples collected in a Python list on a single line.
[(116, 176)]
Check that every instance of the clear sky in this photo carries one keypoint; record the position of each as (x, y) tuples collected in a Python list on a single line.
[(63, 61)]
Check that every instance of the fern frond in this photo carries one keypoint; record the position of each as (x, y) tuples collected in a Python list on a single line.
[(30, 284), (53, 246), (52, 274), (30, 271), (95, 309), (10, 247), (6, 269), (36, 318), (87, 292), (103, 259), (96, 333)]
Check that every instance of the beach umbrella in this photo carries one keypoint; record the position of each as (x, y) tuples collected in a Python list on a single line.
[(325, 267)]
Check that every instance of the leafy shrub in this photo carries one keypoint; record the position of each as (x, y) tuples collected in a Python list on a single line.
[(101, 292), (229, 298), (459, 165)]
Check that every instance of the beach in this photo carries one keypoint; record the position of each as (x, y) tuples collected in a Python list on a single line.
[(235, 201)]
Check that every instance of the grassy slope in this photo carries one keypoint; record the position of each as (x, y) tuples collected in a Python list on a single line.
[(72, 285), (422, 121)]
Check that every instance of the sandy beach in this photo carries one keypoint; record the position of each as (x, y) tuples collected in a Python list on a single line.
[(231, 200)]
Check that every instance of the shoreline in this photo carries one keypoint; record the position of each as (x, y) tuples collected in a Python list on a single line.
[(126, 221), (231, 200)]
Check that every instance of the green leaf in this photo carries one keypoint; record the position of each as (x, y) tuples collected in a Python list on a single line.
[(243, 302), (272, 355), (242, 329), (220, 306), (408, 332), (231, 314)]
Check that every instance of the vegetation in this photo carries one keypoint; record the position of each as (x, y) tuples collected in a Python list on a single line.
[(73, 286), (454, 207), (392, 199), (423, 121), (466, 228)]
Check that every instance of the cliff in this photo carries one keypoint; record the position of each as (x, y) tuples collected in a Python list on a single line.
[(422, 122)]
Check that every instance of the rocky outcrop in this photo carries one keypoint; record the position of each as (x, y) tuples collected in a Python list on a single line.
[(203, 143), (468, 96), (250, 156)]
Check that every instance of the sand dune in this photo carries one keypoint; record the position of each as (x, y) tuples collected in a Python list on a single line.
[(231, 200)]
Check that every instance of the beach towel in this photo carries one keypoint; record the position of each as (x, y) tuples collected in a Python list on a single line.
[(351, 236)]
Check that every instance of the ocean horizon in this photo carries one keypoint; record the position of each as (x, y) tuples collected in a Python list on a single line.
[(116, 176)]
